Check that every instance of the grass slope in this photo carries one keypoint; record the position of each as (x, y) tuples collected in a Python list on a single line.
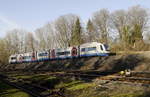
[(8, 91)]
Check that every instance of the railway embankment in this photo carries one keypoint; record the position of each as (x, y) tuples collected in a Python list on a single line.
[(135, 61), (81, 86), (9, 91), (65, 86)]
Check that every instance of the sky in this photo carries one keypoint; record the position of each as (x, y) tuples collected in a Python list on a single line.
[(32, 14)]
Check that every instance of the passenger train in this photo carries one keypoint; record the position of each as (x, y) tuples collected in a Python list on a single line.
[(84, 50)]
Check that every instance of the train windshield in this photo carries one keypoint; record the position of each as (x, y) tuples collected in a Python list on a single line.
[(106, 47)]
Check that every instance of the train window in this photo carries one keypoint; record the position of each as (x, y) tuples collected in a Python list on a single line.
[(23, 57), (26, 57), (91, 48), (29, 57), (101, 47), (67, 52), (83, 49), (60, 53), (63, 53), (13, 58), (43, 54)]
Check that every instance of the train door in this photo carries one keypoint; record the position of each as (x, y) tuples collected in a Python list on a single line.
[(74, 52), (20, 58), (33, 56), (53, 54), (49, 53)]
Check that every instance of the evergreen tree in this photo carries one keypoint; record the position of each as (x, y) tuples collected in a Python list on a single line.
[(76, 38)]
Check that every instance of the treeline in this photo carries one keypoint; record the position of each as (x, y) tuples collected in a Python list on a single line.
[(121, 29)]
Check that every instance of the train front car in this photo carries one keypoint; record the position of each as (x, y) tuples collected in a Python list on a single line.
[(93, 49), (13, 59)]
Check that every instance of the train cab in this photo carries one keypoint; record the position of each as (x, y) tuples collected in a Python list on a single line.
[(93, 49), (13, 59)]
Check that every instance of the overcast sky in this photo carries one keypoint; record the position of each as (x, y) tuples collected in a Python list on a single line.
[(32, 14)]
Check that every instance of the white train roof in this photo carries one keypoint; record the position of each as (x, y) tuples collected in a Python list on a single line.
[(90, 44), (43, 51), (63, 49), (14, 55)]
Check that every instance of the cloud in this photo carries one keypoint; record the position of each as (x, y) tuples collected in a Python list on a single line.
[(6, 24)]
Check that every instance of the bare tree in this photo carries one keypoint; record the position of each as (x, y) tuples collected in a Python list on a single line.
[(16, 40), (138, 20), (64, 27), (40, 35), (50, 36), (130, 25), (119, 24), (4, 52), (46, 37), (101, 23), (30, 42), (13, 43)]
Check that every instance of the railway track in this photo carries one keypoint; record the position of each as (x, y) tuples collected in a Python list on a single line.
[(90, 73), (32, 89), (131, 80), (138, 77), (135, 77), (23, 88)]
